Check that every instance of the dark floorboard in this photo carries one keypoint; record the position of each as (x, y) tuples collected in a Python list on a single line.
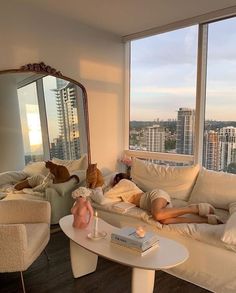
[(56, 276)]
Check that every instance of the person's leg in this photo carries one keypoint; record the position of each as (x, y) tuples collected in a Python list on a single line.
[(21, 185), (161, 212), (30, 182)]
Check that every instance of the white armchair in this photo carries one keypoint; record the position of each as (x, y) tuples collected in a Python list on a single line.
[(24, 233)]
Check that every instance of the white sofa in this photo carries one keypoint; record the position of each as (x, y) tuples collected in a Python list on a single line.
[(58, 195), (212, 248)]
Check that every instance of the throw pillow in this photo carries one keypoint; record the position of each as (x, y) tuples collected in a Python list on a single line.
[(35, 168), (216, 188), (229, 235), (73, 165), (176, 181)]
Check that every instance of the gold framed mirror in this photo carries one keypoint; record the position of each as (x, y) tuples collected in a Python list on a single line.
[(43, 115)]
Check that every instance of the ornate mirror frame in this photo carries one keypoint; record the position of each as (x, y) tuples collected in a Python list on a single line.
[(42, 68)]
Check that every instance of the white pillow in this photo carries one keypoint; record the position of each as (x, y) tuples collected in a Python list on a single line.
[(229, 235), (216, 188), (12, 177), (35, 168), (176, 181), (73, 165)]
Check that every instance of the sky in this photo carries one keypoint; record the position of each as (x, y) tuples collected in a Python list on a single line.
[(163, 73)]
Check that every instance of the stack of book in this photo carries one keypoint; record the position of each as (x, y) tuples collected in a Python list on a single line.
[(127, 237)]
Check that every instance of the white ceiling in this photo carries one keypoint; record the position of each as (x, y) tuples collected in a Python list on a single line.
[(124, 17)]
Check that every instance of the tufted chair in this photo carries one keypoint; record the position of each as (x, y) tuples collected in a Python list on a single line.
[(24, 233)]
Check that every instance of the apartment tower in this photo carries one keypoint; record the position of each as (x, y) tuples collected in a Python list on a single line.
[(185, 131), (155, 138), (211, 150)]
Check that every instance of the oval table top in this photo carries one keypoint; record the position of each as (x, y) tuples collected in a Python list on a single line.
[(170, 253)]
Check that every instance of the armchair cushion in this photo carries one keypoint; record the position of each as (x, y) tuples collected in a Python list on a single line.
[(24, 211)]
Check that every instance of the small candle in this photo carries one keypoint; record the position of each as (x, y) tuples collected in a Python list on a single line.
[(140, 232), (95, 224)]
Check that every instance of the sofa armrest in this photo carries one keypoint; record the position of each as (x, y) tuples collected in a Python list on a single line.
[(24, 211), (63, 188), (13, 243)]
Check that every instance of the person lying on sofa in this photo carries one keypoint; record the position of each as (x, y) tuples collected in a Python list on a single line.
[(158, 202)]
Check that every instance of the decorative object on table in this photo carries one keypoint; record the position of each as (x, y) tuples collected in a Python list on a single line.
[(127, 237), (127, 161), (96, 234), (123, 207), (82, 212), (81, 191), (140, 232), (94, 177)]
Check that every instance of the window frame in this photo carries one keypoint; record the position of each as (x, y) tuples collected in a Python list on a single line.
[(202, 23)]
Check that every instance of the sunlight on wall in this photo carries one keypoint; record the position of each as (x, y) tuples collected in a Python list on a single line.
[(100, 72)]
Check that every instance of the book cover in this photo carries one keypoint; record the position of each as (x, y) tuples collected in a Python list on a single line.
[(127, 236)]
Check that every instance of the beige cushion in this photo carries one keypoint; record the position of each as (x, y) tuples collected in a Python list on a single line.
[(177, 181), (216, 188), (35, 168), (73, 165), (229, 235)]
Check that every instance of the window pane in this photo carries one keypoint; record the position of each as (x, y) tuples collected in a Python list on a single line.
[(219, 150), (30, 123), (162, 92), (61, 98)]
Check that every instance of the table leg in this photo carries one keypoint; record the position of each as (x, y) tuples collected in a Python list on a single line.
[(142, 280), (83, 261)]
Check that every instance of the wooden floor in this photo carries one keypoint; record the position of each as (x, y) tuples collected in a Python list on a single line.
[(56, 276)]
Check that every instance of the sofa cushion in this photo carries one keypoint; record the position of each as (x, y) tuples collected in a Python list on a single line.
[(216, 188), (177, 181), (229, 235), (73, 165), (35, 168)]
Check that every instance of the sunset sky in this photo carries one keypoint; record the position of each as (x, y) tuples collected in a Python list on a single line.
[(163, 73)]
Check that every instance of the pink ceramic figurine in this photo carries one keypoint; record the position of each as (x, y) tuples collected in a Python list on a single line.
[(83, 213)]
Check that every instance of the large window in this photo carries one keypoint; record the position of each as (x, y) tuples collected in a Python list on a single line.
[(220, 120), (30, 123), (163, 92)]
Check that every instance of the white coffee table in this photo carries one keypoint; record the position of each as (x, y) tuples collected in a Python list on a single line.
[(84, 253)]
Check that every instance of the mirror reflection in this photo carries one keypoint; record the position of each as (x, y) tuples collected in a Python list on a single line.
[(42, 116)]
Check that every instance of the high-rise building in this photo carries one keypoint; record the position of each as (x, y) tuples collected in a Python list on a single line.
[(155, 138), (227, 146), (67, 112), (211, 150), (185, 131)]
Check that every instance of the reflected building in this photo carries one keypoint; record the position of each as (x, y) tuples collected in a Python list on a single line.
[(185, 131), (67, 146)]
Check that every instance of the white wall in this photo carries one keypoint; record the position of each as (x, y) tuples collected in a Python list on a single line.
[(12, 149), (95, 58)]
